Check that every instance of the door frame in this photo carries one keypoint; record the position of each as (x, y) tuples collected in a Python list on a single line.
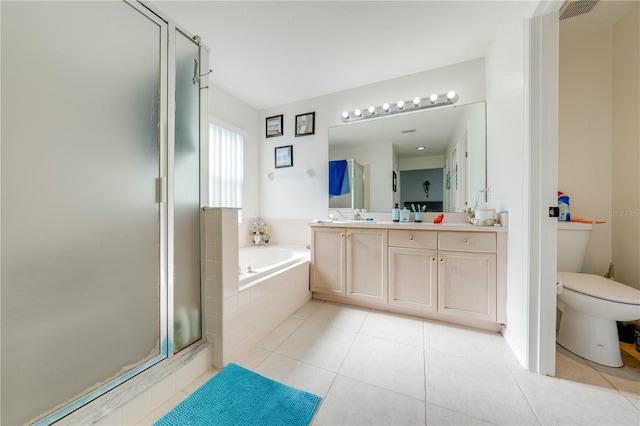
[(541, 103)]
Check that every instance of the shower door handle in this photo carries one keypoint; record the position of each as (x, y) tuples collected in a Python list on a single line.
[(161, 190)]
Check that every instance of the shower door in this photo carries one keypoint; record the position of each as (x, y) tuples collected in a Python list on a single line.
[(83, 216)]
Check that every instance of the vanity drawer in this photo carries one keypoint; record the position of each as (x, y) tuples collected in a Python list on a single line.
[(413, 239), (467, 241)]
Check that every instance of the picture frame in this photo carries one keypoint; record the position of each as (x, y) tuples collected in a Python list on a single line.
[(283, 156), (395, 182), (273, 127), (306, 124)]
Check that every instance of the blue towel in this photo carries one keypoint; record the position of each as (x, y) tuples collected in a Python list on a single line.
[(338, 178)]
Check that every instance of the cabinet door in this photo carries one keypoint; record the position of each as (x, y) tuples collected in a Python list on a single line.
[(467, 284), (413, 278), (327, 260), (367, 264)]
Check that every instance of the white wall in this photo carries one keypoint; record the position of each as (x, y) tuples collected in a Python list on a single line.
[(626, 148), (507, 166), (584, 139), (297, 196)]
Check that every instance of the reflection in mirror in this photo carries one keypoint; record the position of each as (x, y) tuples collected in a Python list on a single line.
[(438, 156), (346, 185)]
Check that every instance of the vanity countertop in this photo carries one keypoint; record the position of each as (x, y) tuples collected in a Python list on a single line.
[(422, 226)]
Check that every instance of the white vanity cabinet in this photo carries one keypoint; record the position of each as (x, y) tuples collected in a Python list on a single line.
[(366, 266), (350, 262), (467, 274), (328, 257), (454, 273), (413, 269)]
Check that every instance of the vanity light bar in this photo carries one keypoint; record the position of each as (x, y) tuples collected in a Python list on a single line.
[(415, 104)]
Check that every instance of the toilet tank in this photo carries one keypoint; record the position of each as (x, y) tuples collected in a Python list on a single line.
[(573, 238)]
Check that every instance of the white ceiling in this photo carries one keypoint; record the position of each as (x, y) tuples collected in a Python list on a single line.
[(269, 53)]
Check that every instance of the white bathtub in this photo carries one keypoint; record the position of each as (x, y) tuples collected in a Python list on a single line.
[(266, 261)]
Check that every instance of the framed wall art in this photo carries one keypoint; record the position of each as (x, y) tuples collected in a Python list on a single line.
[(305, 124), (283, 156), (274, 126)]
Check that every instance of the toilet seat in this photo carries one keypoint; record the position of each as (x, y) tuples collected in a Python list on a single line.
[(600, 287)]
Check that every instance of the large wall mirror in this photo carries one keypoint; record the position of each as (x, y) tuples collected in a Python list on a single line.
[(434, 158)]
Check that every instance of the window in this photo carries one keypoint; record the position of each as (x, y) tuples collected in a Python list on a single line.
[(225, 166)]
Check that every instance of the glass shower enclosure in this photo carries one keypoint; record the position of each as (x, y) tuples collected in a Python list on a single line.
[(100, 238)]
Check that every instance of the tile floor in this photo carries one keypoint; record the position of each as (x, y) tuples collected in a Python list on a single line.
[(376, 368)]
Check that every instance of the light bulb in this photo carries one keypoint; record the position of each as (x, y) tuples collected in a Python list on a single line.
[(400, 104), (345, 114), (385, 107), (357, 112), (372, 110), (433, 98), (416, 101), (451, 95)]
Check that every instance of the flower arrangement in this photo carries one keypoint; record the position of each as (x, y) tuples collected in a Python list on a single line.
[(259, 233)]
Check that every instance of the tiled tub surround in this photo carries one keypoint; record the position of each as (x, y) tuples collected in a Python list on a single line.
[(282, 231), (236, 320)]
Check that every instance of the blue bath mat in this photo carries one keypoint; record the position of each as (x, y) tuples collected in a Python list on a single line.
[(237, 396)]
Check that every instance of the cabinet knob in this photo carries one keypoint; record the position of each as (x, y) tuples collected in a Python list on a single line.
[(411, 238), (441, 260), (433, 259), (348, 235), (342, 235), (466, 241)]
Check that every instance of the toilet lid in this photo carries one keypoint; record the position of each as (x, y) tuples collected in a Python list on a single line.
[(600, 287)]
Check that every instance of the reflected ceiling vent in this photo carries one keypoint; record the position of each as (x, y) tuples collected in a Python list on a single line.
[(404, 132), (576, 8)]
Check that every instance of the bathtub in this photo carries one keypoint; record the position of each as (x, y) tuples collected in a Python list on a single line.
[(264, 298), (259, 263)]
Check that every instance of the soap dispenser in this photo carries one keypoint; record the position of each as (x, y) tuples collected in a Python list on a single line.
[(395, 213), (404, 214)]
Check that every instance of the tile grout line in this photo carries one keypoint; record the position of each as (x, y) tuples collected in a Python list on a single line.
[(613, 385), (524, 394), (424, 366), (339, 368)]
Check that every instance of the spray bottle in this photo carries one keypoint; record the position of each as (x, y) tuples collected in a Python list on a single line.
[(563, 204)]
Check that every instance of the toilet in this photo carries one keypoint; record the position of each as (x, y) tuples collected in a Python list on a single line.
[(590, 304)]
